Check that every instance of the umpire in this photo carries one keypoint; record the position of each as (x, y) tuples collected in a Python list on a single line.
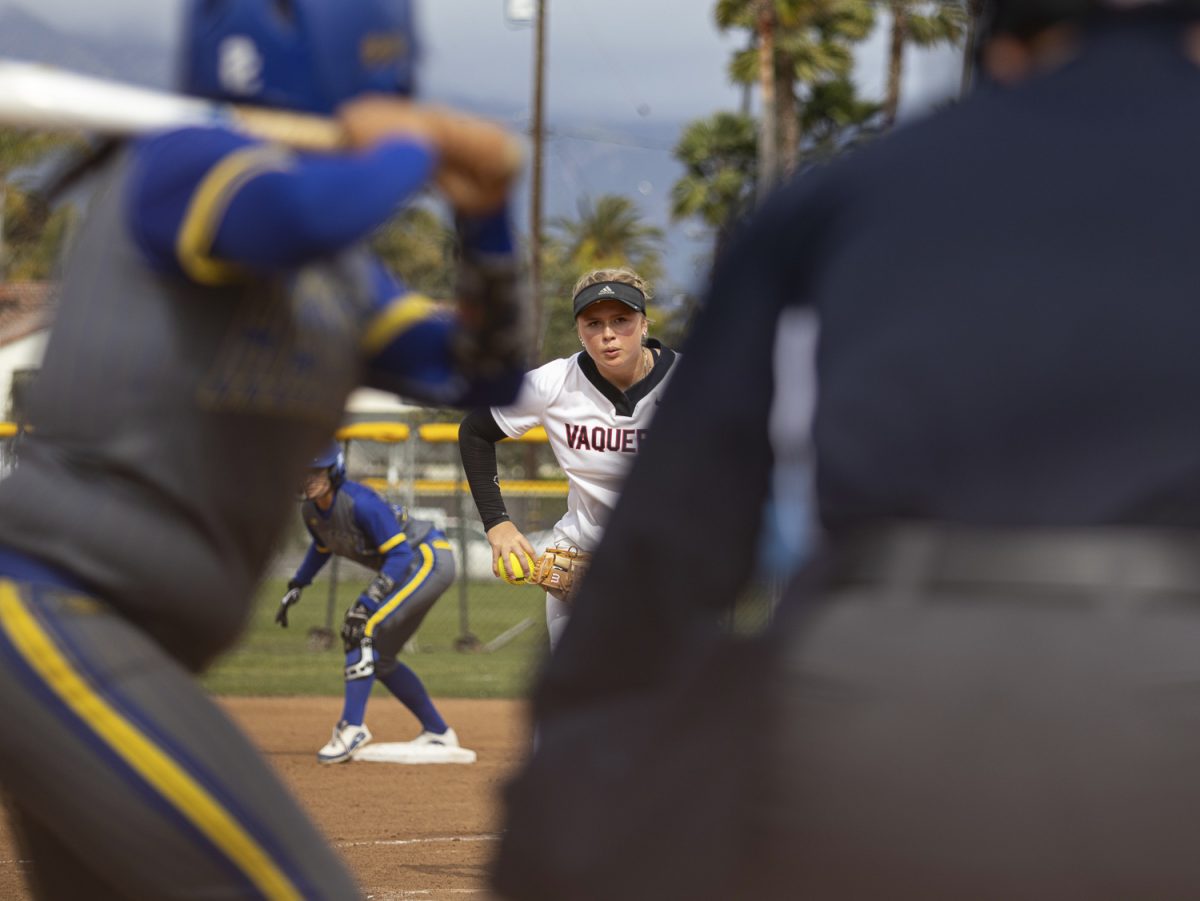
[(985, 682)]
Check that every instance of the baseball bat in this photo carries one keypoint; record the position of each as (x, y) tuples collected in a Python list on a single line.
[(478, 160), (46, 97)]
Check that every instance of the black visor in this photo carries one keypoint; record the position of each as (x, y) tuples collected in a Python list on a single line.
[(627, 294)]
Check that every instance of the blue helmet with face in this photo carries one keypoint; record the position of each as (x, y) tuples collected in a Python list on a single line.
[(331, 463), (307, 55)]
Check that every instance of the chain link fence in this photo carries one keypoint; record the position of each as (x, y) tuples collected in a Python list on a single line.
[(418, 465)]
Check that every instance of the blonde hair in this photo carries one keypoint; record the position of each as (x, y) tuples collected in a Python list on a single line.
[(623, 275)]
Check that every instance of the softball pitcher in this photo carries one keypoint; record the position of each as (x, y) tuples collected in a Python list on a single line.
[(596, 408), (217, 309)]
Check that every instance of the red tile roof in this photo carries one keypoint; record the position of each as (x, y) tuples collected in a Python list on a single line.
[(25, 307)]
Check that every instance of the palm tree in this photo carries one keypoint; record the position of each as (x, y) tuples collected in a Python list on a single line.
[(974, 13), (811, 43), (816, 51), (836, 119), (940, 23), (765, 20), (608, 232), (720, 171)]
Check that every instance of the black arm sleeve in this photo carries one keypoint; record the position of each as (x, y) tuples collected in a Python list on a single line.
[(477, 437)]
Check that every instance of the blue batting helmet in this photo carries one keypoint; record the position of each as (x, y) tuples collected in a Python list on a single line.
[(307, 55), (333, 461)]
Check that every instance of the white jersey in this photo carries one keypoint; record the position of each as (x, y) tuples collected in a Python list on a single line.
[(594, 429)]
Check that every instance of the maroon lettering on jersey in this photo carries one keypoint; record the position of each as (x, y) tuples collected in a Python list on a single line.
[(623, 441), (642, 433)]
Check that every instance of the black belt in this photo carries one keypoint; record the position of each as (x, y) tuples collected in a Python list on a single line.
[(921, 557)]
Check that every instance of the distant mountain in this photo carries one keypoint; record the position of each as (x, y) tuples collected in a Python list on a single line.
[(26, 37), (583, 157)]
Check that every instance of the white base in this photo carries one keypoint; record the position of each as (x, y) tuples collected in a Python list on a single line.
[(407, 752)]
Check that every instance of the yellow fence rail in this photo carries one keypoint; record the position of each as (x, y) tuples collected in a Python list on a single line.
[(431, 432), (449, 488), (382, 432), (403, 467), (403, 463)]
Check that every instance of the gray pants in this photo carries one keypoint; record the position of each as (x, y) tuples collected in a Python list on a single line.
[(1012, 716), (401, 616), (126, 781), (988, 747)]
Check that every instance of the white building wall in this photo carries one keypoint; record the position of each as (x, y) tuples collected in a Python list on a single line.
[(24, 353)]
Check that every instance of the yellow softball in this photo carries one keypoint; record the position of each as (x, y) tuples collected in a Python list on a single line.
[(513, 572)]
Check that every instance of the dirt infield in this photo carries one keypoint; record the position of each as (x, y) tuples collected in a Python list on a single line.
[(407, 832)]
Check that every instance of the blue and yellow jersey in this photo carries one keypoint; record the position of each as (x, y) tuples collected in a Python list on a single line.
[(218, 308), (217, 207), (363, 527), (214, 205)]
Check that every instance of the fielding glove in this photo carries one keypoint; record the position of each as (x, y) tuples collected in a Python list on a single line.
[(292, 597), (560, 570)]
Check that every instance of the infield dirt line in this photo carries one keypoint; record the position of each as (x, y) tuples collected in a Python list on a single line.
[(493, 837), (429, 893), (391, 841)]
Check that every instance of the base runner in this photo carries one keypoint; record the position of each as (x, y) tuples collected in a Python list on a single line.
[(414, 565)]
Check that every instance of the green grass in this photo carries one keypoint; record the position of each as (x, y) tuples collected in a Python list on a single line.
[(270, 660), (274, 661)]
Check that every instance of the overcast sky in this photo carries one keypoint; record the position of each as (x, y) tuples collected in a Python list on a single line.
[(660, 59)]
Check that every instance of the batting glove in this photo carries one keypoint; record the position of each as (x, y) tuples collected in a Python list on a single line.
[(292, 597)]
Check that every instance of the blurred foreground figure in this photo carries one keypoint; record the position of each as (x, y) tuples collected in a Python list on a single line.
[(218, 307), (985, 681)]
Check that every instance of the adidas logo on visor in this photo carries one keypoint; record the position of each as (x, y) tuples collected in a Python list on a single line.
[(606, 290)]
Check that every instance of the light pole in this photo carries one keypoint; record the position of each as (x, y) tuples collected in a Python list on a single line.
[(520, 13), (768, 135), (537, 136)]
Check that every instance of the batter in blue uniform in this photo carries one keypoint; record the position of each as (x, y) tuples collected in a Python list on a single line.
[(218, 307), (415, 565)]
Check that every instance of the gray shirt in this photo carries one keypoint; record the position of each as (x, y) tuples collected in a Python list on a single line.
[(172, 423), (342, 531)]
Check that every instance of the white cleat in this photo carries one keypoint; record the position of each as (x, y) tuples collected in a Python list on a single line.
[(344, 744), (448, 739)]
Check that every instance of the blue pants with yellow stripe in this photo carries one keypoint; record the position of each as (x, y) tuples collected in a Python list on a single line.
[(399, 616), (390, 624), (125, 781)]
